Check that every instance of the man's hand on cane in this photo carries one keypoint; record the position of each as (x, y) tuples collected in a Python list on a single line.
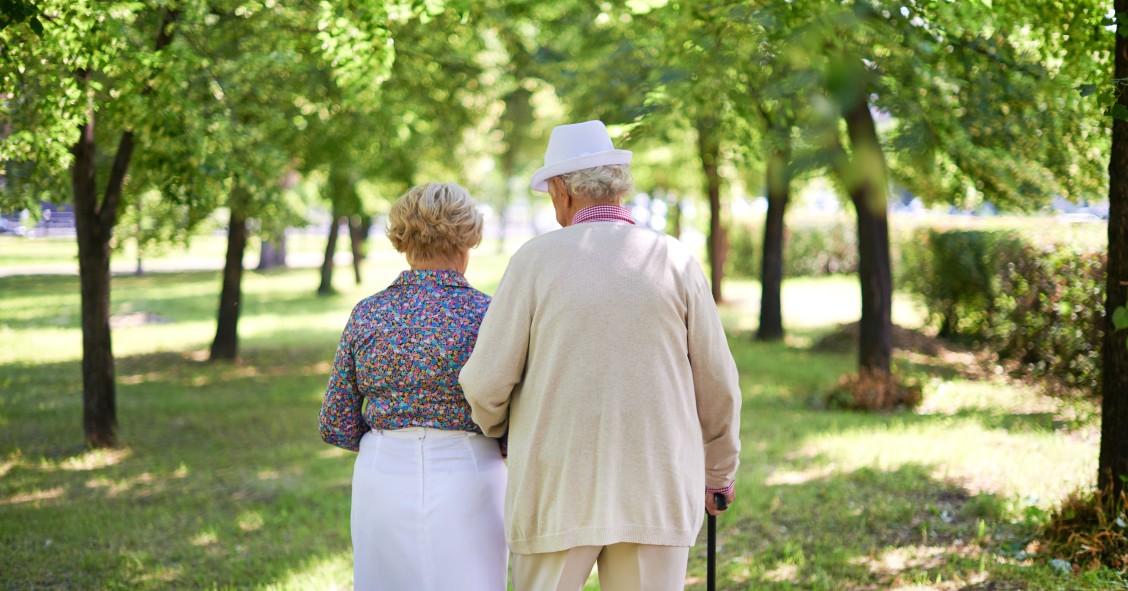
[(711, 504)]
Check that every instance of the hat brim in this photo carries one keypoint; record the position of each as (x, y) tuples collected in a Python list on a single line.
[(540, 178)]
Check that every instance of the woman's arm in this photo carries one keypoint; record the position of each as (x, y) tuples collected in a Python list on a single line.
[(342, 424)]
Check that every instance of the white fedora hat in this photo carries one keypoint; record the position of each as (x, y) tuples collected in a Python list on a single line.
[(576, 147)]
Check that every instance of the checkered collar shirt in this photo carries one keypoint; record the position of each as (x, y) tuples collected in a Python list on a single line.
[(603, 213)]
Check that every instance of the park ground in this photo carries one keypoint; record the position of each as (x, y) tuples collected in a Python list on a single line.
[(222, 482)]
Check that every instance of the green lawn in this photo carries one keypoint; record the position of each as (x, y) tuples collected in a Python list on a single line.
[(222, 481)]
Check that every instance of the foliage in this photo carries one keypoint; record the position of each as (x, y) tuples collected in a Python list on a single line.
[(811, 248), (985, 107), (1120, 320), (15, 12), (959, 273), (1089, 530), (1040, 308)]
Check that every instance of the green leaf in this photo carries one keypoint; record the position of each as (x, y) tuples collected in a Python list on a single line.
[(36, 26), (1120, 111), (1120, 318)]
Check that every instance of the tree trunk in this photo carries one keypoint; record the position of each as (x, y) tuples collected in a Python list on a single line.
[(515, 125), (771, 269), (868, 192), (139, 271), (359, 225), (272, 254), (709, 148), (226, 343), (94, 225), (1113, 467), (326, 287), (674, 205)]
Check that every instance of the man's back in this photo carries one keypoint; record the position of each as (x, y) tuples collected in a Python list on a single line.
[(587, 350)]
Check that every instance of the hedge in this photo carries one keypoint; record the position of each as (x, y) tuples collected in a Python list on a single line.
[(1040, 307)]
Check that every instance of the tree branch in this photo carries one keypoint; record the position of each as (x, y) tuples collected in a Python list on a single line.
[(107, 214)]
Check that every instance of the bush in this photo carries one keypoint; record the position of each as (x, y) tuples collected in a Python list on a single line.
[(874, 390), (959, 275), (810, 249), (1088, 530), (1039, 307)]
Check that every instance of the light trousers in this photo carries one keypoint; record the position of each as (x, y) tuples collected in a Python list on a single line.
[(622, 567), (427, 512)]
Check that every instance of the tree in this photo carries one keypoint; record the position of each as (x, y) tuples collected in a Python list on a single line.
[(411, 125), (1113, 465), (911, 63), (143, 76), (79, 61), (660, 71), (270, 64), (778, 184), (864, 174)]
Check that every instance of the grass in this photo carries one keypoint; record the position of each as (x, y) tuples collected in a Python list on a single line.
[(222, 481)]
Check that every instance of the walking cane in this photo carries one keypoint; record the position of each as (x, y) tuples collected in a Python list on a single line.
[(711, 558)]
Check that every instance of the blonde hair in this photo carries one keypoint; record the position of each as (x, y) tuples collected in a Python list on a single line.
[(608, 184), (434, 220)]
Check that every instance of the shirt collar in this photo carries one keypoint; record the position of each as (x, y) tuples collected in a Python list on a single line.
[(603, 213), (432, 278)]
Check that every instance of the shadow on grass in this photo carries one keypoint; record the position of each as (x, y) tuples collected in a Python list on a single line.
[(223, 481), (221, 478), (866, 529)]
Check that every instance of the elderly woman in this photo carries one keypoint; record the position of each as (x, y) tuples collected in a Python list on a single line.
[(428, 487)]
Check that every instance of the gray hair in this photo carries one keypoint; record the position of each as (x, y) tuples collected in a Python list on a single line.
[(604, 184)]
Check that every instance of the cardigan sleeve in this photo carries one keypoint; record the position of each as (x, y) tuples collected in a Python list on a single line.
[(342, 423), (497, 364), (716, 383)]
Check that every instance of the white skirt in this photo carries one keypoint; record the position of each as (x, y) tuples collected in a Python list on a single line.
[(427, 512)]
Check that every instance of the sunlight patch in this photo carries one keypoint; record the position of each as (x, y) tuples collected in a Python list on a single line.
[(95, 459), (162, 574), (142, 378), (39, 495), (250, 521), (327, 573), (204, 538), (963, 451), (793, 477), (198, 355), (333, 452), (897, 560), (784, 573), (114, 488)]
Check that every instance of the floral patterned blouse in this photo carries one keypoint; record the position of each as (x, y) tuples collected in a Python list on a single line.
[(398, 360)]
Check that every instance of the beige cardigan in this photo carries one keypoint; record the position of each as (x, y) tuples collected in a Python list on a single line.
[(603, 356)]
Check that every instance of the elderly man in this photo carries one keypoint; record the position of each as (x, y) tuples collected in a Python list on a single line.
[(604, 358)]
